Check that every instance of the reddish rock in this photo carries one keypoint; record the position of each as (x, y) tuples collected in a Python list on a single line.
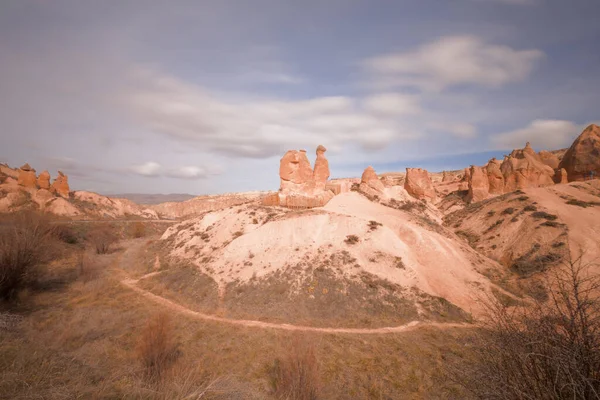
[(466, 175), (561, 176), (60, 186), (447, 177), (370, 183), (495, 177), (27, 177), (479, 187), (271, 200), (418, 184), (43, 180), (523, 169), (549, 159), (582, 160), (295, 171), (321, 172)]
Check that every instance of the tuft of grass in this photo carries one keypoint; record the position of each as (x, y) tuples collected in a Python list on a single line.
[(157, 350), (529, 208), (102, 238), (296, 375), (138, 230), (583, 204), (373, 225), (509, 211)]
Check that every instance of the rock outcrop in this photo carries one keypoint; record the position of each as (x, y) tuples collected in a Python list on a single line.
[(582, 160), (370, 183), (300, 185), (495, 177), (418, 184), (321, 172), (43, 180), (27, 177), (561, 176), (447, 177), (60, 186), (479, 186), (549, 159)]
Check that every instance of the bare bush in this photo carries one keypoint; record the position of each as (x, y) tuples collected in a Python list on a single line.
[(102, 238), (157, 349), (296, 375), (65, 233), (88, 268), (545, 350), (25, 244)]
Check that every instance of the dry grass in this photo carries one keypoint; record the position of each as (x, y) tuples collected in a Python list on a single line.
[(138, 229), (157, 349), (296, 375)]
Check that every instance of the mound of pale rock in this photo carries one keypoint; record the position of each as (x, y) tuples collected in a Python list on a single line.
[(418, 184)]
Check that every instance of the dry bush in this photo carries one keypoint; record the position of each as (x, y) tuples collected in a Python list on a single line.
[(545, 350), (102, 238), (25, 245), (88, 268), (138, 230), (65, 233), (157, 349), (296, 375), (352, 239)]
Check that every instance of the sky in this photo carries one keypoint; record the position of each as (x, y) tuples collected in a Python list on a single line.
[(201, 97)]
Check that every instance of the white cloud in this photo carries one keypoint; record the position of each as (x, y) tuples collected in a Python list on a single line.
[(544, 134), (149, 168), (261, 128), (392, 104), (188, 172), (451, 61)]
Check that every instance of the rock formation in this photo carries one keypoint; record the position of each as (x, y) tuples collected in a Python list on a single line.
[(447, 177), (495, 177), (561, 176), (418, 184), (582, 160), (321, 172), (60, 186), (370, 183), (43, 180), (300, 186), (549, 159), (27, 177), (479, 186)]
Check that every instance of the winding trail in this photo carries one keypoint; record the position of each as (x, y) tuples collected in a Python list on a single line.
[(132, 284)]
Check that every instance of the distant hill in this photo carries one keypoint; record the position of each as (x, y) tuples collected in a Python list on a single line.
[(141, 198)]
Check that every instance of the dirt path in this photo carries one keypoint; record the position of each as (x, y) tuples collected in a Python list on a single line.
[(132, 284)]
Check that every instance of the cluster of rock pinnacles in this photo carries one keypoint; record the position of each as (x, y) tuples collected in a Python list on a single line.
[(301, 186), (28, 179)]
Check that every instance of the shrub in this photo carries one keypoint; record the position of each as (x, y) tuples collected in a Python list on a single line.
[(296, 375), (25, 244), (65, 233), (138, 230), (88, 268), (580, 203), (351, 239), (543, 351), (508, 211), (530, 208), (102, 238), (157, 350), (373, 225), (544, 215)]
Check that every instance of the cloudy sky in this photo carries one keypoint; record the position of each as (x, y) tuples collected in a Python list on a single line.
[(205, 96)]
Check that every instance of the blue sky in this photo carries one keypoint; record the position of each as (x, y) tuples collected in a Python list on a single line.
[(206, 96)]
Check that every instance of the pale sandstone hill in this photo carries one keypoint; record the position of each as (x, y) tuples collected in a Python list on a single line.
[(202, 204), (249, 247)]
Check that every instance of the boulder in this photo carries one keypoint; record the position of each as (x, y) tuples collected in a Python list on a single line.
[(582, 160), (60, 186), (418, 184), (479, 187), (43, 180), (321, 172)]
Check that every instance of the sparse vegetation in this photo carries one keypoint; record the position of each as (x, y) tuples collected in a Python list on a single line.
[(237, 234), (543, 351), (373, 225), (530, 208), (508, 211), (352, 239), (471, 237), (138, 230), (583, 204)]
